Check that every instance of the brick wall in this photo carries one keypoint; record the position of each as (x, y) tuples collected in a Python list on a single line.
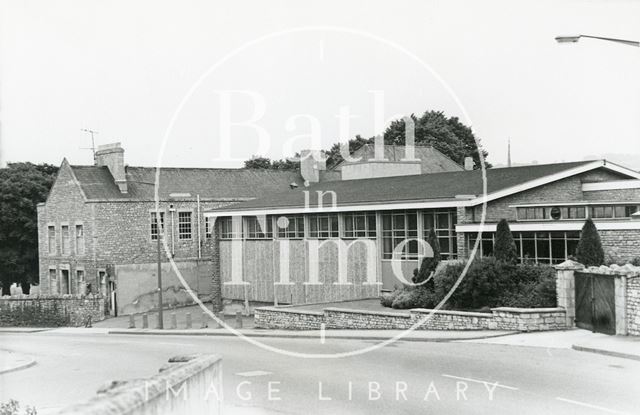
[(50, 311), (620, 246), (514, 319)]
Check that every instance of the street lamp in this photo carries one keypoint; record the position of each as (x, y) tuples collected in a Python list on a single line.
[(574, 39)]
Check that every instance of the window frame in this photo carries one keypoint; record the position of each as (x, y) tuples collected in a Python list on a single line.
[(183, 234), (153, 222)]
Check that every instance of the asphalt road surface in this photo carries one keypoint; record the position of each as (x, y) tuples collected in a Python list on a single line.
[(402, 378)]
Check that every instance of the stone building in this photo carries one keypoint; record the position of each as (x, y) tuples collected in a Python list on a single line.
[(98, 230)]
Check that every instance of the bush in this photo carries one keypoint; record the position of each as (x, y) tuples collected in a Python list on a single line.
[(492, 283), (409, 297), (505, 248), (589, 251)]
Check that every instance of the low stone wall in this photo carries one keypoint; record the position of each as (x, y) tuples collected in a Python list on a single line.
[(502, 318), (187, 385), (50, 310)]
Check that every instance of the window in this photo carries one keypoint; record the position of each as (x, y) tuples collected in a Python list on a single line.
[(51, 233), (290, 227), (208, 227), (184, 225), (538, 247), (323, 226), (53, 281), (65, 239), (397, 227), (80, 282), (254, 229), (226, 228), (611, 212), (443, 223), (532, 213), (79, 240), (360, 225), (154, 224)]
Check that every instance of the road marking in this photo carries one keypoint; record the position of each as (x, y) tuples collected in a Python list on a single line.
[(481, 381), (322, 333), (253, 373), (588, 405)]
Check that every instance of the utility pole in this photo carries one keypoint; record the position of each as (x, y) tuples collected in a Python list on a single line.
[(93, 142)]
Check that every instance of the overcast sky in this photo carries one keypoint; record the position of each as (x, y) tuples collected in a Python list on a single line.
[(123, 67)]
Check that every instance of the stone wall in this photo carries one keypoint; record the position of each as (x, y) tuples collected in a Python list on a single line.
[(633, 305), (503, 318), (50, 311), (186, 385)]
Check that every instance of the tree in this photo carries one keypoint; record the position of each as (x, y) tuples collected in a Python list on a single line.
[(22, 187), (447, 135), (264, 163), (589, 251), (505, 247), (429, 264)]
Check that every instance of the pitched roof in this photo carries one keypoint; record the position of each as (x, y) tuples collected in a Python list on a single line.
[(447, 186), (220, 184), (432, 160)]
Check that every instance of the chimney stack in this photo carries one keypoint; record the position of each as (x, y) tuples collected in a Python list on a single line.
[(311, 162), (468, 163), (112, 156)]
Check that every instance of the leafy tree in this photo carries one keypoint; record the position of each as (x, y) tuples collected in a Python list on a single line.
[(505, 247), (448, 135), (589, 251), (259, 162), (22, 187), (429, 264)]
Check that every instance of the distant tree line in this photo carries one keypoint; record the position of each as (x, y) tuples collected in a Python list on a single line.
[(446, 134)]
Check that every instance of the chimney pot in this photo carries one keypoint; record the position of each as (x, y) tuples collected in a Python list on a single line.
[(468, 163)]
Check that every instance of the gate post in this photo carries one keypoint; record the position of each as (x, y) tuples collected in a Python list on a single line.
[(565, 289)]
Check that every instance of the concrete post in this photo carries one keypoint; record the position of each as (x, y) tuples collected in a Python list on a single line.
[(145, 321), (565, 289), (174, 321), (238, 319), (132, 321), (620, 298), (203, 323), (188, 317)]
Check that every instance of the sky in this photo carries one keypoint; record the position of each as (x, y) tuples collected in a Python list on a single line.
[(211, 83)]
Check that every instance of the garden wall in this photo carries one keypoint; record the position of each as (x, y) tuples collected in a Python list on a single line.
[(50, 310), (503, 318)]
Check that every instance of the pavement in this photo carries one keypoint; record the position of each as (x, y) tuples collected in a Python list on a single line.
[(273, 376)]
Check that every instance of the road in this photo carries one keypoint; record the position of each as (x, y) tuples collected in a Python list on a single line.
[(455, 378)]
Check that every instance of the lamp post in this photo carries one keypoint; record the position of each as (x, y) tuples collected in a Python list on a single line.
[(160, 229), (576, 38)]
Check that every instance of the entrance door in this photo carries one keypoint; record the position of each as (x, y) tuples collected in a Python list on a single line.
[(595, 302)]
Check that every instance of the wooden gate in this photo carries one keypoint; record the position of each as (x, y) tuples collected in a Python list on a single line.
[(595, 302)]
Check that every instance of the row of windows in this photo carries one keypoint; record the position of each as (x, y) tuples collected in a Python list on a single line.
[(539, 247), (184, 224), (65, 239), (399, 228), (61, 282), (576, 212)]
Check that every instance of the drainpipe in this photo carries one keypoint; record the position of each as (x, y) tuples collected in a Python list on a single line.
[(173, 231), (199, 231)]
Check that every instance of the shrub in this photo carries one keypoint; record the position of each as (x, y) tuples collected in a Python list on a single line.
[(589, 251), (408, 297), (429, 264), (492, 283), (505, 247)]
